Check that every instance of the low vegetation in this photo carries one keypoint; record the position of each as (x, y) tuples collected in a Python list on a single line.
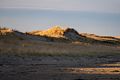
[(56, 42), (55, 49)]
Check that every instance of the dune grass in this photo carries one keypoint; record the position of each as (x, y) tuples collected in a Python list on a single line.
[(34, 48)]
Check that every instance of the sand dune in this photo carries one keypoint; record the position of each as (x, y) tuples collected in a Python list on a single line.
[(58, 54)]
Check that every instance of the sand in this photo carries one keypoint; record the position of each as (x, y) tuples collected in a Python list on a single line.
[(59, 68)]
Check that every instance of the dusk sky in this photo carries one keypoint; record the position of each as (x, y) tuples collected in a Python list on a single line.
[(100, 17)]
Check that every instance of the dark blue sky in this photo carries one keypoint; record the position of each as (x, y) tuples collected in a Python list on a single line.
[(99, 17)]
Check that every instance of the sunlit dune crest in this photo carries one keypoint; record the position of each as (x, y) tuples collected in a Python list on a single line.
[(55, 31), (97, 37), (93, 70), (4, 31), (117, 37)]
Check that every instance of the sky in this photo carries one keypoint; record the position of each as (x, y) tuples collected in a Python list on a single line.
[(100, 17)]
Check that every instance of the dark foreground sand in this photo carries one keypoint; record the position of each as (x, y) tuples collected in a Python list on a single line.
[(60, 68)]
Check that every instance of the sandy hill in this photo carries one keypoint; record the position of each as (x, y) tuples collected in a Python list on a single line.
[(72, 35), (9, 34), (101, 38), (117, 37), (6, 33), (57, 34), (52, 32)]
